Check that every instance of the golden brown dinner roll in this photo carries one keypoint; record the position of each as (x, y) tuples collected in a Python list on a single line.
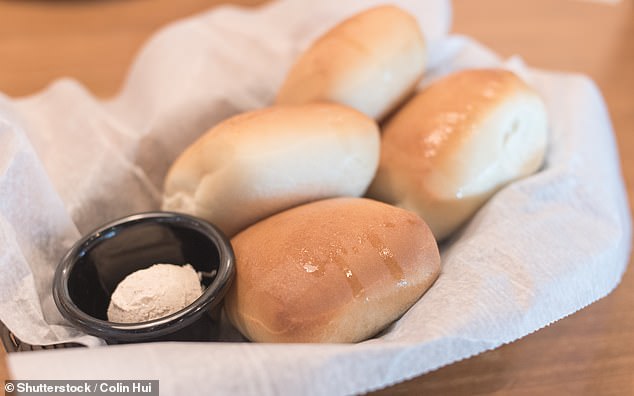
[(457, 142), (336, 270), (259, 163), (370, 61)]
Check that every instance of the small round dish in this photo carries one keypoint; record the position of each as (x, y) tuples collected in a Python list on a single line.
[(91, 270)]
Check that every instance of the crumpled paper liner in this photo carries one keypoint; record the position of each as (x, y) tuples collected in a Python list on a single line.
[(539, 250)]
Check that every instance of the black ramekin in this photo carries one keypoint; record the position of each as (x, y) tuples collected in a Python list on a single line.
[(90, 271)]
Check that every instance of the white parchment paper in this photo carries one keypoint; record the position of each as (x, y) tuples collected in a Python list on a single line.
[(541, 249)]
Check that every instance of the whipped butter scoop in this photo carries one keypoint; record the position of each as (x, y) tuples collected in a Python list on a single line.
[(153, 293)]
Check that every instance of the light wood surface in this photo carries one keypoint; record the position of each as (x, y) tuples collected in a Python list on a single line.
[(588, 353), (4, 371)]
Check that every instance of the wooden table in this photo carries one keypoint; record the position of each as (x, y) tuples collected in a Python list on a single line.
[(590, 352)]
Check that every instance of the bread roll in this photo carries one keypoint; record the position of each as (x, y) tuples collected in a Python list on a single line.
[(259, 163), (337, 270), (456, 143), (370, 61)]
